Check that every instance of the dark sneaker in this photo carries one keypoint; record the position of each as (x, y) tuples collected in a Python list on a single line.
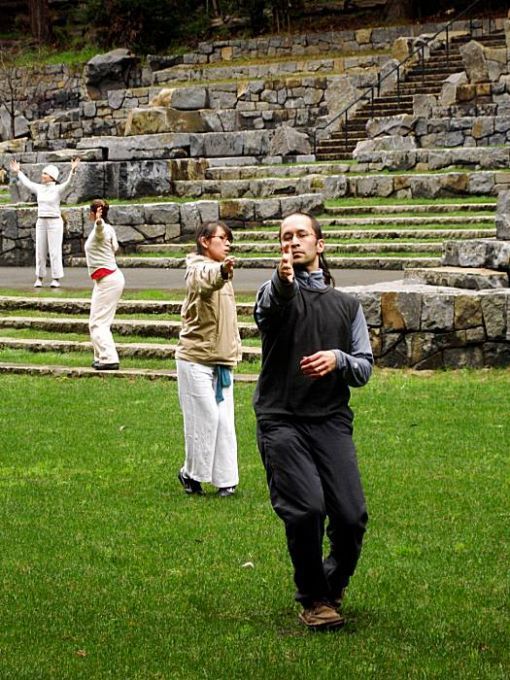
[(321, 616), (190, 485), (95, 364), (106, 367), (226, 491)]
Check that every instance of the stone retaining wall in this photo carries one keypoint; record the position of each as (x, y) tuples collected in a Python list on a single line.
[(143, 223), (282, 69), (299, 45), (427, 327), (259, 104), (39, 91)]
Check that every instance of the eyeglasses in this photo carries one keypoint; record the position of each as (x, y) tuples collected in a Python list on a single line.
[(299, 235)]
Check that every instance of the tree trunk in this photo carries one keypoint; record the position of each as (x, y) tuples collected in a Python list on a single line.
[(216, 8), (39, 20), (399, 10)]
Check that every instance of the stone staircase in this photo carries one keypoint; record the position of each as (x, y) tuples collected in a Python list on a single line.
[(420, 79), (44, 335), (391, 236)]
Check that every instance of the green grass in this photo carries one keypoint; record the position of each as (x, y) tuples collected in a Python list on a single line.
[(410, 201), (47, 55), (149, 294), (81, 359), (110, 571), (34, 334)]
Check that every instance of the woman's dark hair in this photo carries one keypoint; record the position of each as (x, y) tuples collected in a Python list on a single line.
[(99, 203), (207, 231), (323, 264)]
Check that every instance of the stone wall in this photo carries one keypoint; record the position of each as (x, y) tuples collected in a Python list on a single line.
[(426, 327), (300, 45), (39, 91), (143, 223), (260, 104)]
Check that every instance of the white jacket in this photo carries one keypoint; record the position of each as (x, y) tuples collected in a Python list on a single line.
[(100, 247), (48, 195)]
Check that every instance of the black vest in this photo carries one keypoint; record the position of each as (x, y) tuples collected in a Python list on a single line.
[(313, 320)]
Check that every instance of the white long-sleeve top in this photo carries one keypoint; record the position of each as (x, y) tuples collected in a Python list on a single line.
[(48, 195), (100, 247)]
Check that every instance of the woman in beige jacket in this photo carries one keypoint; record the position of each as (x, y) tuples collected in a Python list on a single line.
[(209, 348)]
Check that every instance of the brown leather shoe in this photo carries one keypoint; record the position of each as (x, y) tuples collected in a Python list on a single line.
[(321, 616)]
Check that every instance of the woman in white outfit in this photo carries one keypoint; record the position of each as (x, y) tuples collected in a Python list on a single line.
[(209, 348), (100, 248), (49, 228)]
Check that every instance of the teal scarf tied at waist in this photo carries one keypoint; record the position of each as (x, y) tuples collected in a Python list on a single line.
[(223, 379)]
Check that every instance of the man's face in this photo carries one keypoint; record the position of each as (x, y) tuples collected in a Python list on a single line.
[(297, 232)]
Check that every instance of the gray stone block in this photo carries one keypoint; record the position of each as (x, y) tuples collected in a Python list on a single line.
[(503, 216)]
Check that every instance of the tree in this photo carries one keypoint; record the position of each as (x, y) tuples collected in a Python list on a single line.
[(40, 24)]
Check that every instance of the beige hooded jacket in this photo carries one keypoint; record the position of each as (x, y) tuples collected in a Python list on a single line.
[(209, 332)]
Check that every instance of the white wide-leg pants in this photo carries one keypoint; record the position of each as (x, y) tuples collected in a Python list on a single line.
[(49, 232), (209, 431), (105, 296)]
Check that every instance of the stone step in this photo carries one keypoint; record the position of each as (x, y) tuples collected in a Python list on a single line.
[(340, 155), (73, 372), (361, 262), (168, 329), (139, 350), (379, 234), (82, 305), (412, 208), (406, 221), (239, 249), (478, 253), (275, 171), (308, 66), (458, 277)]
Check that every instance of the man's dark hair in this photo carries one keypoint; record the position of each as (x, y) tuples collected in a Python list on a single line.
[(323, 264), (207, 230), (100, 203)]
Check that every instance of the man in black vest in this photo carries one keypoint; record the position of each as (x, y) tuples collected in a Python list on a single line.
[(315, 346)]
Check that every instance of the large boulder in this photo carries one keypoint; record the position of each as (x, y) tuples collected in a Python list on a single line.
[(289, 142), (449, 89), (475, 62), (158, 119), (114, 70), (367, 147), (183, 98), (401, 125)]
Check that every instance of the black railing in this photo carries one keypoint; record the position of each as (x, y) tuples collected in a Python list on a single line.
[(370, 95)]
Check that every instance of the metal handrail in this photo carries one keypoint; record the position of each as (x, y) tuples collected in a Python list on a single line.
[(369, 93)]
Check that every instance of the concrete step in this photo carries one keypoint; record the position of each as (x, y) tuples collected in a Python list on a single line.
[(168, 329), (73, 372), (458, 277), (140, 350)]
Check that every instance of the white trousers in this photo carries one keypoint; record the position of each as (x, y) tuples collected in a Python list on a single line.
[(209, 432), (105, 296), (49, 232)]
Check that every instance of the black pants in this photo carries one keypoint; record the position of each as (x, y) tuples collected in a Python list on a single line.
[(312, 473)]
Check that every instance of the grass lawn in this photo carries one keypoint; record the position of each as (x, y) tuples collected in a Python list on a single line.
[(110, 571)]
